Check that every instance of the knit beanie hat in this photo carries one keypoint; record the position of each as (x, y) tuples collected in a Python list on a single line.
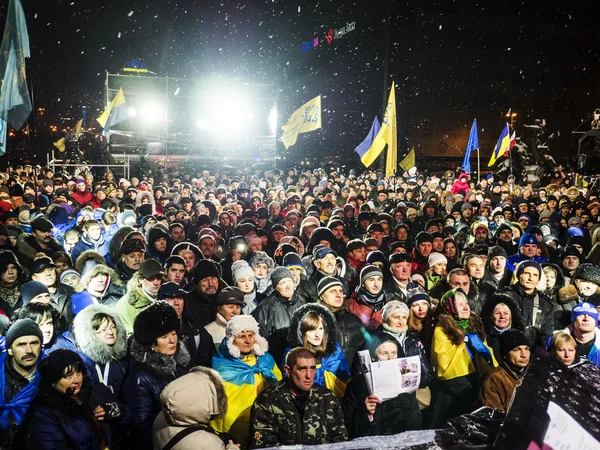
[(155, 321), (512, 339), (241, 269), (393, 307), (326, 283), (423, 237), (32, 289), (416, 295), (579, 310), (52, 367), (528, 238), (436, 258), (236, 326), (279, 274), (375, 339), (369, 272), (20, 328), (205, 268), (525, 264), (69, 273), (496, 251), (448, 302), (292, 260)]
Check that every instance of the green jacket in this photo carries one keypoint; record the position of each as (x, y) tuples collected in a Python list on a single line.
[(276, 420), (132, 303)]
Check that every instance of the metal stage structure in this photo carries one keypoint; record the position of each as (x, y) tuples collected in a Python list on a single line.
[(80, 168), (176, 120)]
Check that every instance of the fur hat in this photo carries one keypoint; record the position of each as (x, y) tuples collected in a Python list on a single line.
[(53, 366), (156, 320), (393, 307), (588, 272), (261, 258), (241, 269), (239, 324)]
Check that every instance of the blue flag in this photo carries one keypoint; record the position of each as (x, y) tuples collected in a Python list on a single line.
[(3, 127), (15, 104), (364, 146), (473, 144)]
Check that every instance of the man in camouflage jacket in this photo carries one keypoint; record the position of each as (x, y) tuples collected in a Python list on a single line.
[(295, 411)]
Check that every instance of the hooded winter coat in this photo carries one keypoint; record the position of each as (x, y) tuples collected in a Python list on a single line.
[(113, 293), (130, 305), (191, 400), (106, 364), (332, 371), (349, 331), (85, 244), (149, 373), (492, 333)]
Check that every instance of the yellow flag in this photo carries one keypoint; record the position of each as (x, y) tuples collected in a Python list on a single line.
[(409, 160), (117, 101), (389, 117), (304, 119), (387, 135), (60, 145), (78, 126)]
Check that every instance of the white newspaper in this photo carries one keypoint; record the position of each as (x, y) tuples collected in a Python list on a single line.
[(388, 379), (564, 433)]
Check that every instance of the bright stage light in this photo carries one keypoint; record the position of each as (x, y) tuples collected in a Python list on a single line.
[(272, 121), (201, 123), (152, 112), (132, 111), (230, 113)]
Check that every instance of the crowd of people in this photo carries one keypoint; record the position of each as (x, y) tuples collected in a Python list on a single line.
[(194, 309)]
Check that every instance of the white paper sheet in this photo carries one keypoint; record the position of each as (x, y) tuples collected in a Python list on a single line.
[(564, 433)]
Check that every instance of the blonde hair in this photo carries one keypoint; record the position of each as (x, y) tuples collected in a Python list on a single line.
[(559, 339)]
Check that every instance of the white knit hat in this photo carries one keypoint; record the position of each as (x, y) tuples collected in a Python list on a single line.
[(236, 326), (436, 258), (241, 269), (393, 307)]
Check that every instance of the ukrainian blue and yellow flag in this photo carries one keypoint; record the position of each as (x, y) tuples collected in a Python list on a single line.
[(386, 135), (502, 146), (115, 113), (304, 119), (243, 379), (365, 145)]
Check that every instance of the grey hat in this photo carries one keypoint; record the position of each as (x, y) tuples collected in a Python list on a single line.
[(279, 274)]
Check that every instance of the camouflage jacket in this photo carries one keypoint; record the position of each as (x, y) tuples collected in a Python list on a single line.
[(277, 421)]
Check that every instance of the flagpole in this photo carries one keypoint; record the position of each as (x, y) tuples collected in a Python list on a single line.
[(478, 167), (385, 69)]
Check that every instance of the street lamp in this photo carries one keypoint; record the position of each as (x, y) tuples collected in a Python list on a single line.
[(512, 118)]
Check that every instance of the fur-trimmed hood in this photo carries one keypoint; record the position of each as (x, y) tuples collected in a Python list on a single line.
[(517, 319), (295, 333), (85, 257), (454, 333), (135, 294), (145, 195), (98, 270), (160, 365), (89, 342), (195, 398)]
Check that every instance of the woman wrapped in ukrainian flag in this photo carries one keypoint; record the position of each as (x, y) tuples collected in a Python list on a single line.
[(312, 326), (246, 368)]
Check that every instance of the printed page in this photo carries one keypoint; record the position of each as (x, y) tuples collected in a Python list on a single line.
[(564, 433)]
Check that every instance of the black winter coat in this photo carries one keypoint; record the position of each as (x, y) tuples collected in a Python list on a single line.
[(274, 315), (199, 309), (538, 332), (307, 290), (349, 333)]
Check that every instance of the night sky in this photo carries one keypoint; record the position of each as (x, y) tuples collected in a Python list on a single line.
[(451, 61)]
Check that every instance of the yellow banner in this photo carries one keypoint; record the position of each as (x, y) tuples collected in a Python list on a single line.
[(304, 119)]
